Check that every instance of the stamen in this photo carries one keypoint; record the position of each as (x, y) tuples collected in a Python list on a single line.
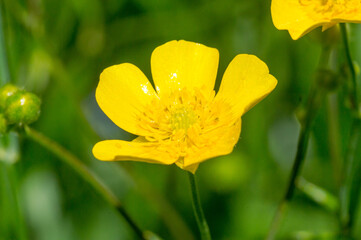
[(182, 118)]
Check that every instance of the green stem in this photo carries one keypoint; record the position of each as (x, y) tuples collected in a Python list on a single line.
[(315, 99), (334, 137), (4, 70), (348, 204), (318, 195), (8, 171), (277, 219), (312, 108), (11, 193), (198, 211), (85, 173), (353, 92), (349, 201), (21, 228), (171, 218)]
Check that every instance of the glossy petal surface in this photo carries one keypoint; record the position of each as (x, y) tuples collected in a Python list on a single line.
[(245, 82), (302, 16), (123, 93), (118, 150), (182, 64)]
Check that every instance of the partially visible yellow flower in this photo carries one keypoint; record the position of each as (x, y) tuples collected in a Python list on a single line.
[(302, 16), (181, 121)]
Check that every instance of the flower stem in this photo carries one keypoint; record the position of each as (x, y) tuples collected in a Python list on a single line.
[(318, 195), (8, 169), (334, 137), (4, 70), (167, 212), (349, 192), (300, 156), (86, 174), (198, 211), (348, 203), (11, 190), (316, 96), (355, 107)]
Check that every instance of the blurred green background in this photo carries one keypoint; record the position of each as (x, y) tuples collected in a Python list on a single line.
[(57, 50)]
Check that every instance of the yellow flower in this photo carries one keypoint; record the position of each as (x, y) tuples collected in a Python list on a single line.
[(302, 16), (181, 121)]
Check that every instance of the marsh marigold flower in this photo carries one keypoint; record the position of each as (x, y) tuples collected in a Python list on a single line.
[(182, 121), (302, 16)]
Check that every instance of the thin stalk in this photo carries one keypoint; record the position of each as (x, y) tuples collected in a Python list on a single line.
[(315, 99), (334, 137), (86, 174), (4, 203), (349, 204), (347, 214), (14, 221), (353, 92), (198, 211), (21, 228), (312, 109), (4, 70), (277, 219), (299, 159), (319, 195), (171, 218), (9, 171)]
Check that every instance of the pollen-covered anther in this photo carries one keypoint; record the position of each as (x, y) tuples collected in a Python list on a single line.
[(182, 118)]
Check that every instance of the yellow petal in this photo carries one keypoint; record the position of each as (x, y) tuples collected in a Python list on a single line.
[(225, 139), (351, 18), (245, 82), (179, 64), (192, 168), (326, 26), (123, 93), (291, 15), (118, 150)]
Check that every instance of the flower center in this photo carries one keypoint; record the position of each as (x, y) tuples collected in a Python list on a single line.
[(184, 121), (179, 115), (182, 118)]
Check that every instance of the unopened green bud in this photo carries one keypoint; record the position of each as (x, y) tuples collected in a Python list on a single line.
[(5, 92), (3, 124), (22, 108)]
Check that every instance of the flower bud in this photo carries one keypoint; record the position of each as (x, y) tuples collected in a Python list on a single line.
[(22, 108), (5, 92), (3, 124)]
